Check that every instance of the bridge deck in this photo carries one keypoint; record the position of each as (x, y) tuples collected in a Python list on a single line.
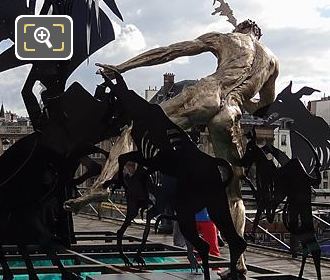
[(262, 263), (96, 256)]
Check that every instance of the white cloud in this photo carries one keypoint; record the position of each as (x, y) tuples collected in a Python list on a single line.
[(132, 38), (181, 60), (11, 82), (298, 31), (129, 42), (293, 13)]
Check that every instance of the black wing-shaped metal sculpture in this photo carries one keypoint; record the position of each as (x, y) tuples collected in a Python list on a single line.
[(9, 10), (314, 128), (92, 30), (91, 26)]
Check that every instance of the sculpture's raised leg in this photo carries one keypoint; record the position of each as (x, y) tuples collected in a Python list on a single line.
[(202, 105), (225, 132)]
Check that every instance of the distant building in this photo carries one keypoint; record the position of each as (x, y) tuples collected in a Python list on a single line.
[(150, 93), (170, 88), (12, 128), (7, 116), (321, 108), (282, 137)]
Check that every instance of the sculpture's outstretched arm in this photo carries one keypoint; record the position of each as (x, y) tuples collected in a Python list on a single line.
[(267, 93), (165, 54)]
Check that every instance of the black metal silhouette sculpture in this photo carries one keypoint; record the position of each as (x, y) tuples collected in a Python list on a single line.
[(138, 189), (92, 30), (162, 145), (41, 166), (30, 178), (46, 161), (289, 181), (315, 129), (145, 194), (65, 133)]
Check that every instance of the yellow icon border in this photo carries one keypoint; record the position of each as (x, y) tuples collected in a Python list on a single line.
[(60, 25), (26, 49), (26, 25), (61, 49)]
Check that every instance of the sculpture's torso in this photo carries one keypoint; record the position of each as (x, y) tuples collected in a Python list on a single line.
[(244, 66)]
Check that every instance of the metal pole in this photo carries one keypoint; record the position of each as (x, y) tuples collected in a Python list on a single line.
[(321, 220), (90, 205), (271, 235), (114, 205)]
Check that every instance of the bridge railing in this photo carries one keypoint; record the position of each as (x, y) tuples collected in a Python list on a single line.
[(279, 244), (317, 212)]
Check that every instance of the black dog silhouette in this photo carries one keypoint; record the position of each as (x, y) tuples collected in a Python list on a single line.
[(163, 146), (143, 194)]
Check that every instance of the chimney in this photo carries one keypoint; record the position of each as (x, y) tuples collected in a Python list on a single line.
[(168, 81)]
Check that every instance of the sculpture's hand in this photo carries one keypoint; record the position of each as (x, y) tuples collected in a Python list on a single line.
[(120, 85), (108, 70)]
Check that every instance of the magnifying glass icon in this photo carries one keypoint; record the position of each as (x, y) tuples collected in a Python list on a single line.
[(42, 35)]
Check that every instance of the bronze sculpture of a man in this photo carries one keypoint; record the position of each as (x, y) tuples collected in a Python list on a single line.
[(245, 67)]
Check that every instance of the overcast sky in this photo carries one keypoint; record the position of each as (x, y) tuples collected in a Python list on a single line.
[(297, 31)]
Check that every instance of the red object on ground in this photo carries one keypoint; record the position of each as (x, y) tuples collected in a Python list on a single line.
[(209, 233)]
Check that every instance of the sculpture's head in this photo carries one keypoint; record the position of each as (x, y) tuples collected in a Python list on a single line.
[(248, 27)]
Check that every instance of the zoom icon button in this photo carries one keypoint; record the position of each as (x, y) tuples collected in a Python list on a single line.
[(41, 35), (43, 38)]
